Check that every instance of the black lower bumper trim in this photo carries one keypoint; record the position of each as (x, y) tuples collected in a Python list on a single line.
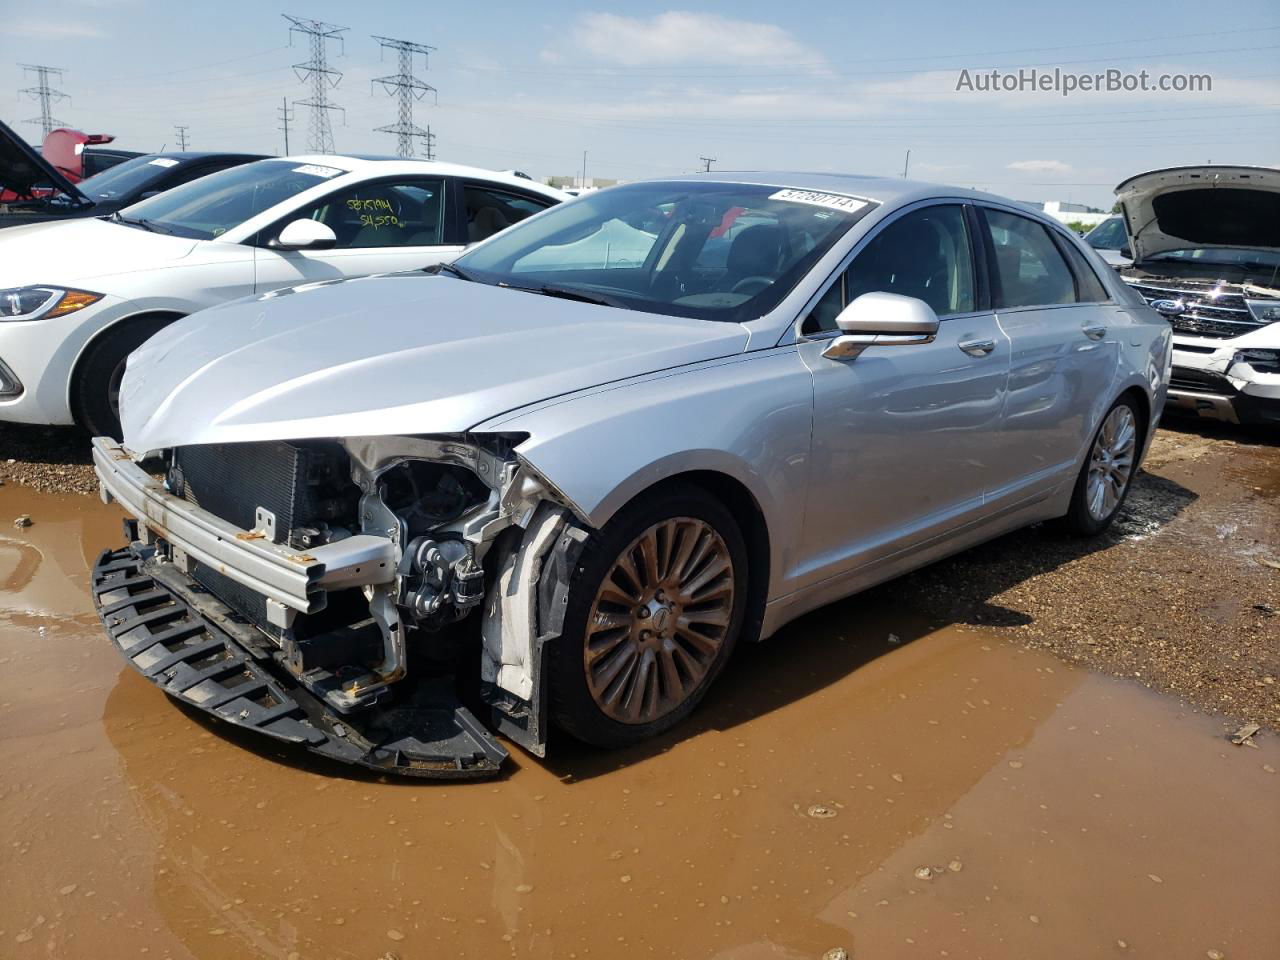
[(182, 640)]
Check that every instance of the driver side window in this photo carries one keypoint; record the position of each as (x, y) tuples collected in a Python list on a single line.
[(408, 213), (924, 254)]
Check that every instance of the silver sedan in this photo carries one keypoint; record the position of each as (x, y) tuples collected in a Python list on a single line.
[(615, 441)]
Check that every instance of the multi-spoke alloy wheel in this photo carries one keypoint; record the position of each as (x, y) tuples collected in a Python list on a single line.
[(1111, 462), (660, 617)]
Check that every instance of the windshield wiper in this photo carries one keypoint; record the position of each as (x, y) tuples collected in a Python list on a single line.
[(142, 222), (565, 293), (450, 268)]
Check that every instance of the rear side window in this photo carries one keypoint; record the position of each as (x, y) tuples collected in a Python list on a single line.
[(1089, 288), (489, 211), (1029, 270)]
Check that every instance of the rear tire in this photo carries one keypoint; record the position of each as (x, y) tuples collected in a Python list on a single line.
[(95, 394), (1107, 472), (639, 650)]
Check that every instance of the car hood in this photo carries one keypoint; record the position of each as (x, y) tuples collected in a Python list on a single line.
[(400, 354), (70, 252), (22, 167), (1206, 206)]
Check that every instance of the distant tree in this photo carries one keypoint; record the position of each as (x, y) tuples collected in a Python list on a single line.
[(1115, 207)]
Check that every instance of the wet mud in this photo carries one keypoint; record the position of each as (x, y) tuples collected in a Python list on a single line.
[(874, 779)]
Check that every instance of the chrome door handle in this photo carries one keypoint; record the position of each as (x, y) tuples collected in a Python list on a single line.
[(977, 348), (1095, 331)]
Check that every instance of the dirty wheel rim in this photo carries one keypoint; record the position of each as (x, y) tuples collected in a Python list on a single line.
[(659, 620), (1111, 462)]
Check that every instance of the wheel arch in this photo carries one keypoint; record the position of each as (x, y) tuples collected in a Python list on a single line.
[(753, 525), (88, 347)]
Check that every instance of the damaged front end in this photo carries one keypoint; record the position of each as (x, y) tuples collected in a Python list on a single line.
[(319, 590)]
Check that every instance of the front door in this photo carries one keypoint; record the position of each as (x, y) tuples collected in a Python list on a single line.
[(904, 436), (382, 227)]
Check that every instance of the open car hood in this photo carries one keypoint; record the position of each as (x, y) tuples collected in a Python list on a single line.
[(22, 167), (390, 355), (1207, 206)]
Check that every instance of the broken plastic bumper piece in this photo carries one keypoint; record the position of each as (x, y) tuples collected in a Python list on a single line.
[(198, 651)]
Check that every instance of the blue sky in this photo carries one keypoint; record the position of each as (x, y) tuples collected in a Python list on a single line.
[(648, 88)]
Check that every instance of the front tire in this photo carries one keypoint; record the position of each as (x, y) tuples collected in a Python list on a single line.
[(95, 394), (1107, 473), (652, 617)]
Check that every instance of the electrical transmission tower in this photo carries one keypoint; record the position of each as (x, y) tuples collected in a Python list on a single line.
[(429, 144), (180, 129), (408, 88), (321, 75), (286, 117), (45, 95)]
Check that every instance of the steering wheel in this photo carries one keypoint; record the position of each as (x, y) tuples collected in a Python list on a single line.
[(747, 282)]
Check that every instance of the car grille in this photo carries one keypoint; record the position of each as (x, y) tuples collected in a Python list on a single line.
[(1215, 309), (1200, 381)]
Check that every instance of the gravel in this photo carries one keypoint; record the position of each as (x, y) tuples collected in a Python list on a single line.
[(50, 459)]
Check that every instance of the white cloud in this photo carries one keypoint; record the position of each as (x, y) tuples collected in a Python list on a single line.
[(33, 27), (679, 36), (1039, 166)]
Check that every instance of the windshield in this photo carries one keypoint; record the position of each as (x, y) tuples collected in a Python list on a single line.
[(209, 207), (126, 178), (715, 251), (1108, 235)]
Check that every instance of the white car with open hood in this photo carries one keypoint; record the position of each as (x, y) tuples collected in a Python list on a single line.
[(78, 296), (1206, 249)]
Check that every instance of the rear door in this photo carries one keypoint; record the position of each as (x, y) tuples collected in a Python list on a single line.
[(905, 436), (1064, 352), (382, 226)]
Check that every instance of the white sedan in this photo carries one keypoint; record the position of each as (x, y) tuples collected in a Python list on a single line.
[(78, 296)]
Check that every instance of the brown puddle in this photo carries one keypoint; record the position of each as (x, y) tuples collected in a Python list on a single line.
[(1057, 813)]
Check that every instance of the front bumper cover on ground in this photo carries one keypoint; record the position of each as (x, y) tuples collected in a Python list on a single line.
[(199, 652)]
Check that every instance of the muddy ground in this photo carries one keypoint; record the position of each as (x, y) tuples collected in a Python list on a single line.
[(915, 772), (1183, 595)]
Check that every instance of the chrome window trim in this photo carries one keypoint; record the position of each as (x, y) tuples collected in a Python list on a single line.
[(792, 333)]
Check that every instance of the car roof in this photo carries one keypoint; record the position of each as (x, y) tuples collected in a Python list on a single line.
[(186, 155), (897, 190), (379, 165)]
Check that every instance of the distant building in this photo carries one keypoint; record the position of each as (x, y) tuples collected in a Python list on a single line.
[(1065, 212), (577, 183)]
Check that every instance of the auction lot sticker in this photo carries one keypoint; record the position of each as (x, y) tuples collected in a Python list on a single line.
[(834, 201), (316, 170)]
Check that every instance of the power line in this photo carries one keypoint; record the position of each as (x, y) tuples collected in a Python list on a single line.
[(407, 88), (180, 130), (45, 95), (321, 75), (286, 115)]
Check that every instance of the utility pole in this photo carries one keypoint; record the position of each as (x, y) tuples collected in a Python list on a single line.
[(181, 131), (706, 163), (906, 164), (583, 185), (286, 115), (429, 142), (322, 77), (407, 88), (45, 95)]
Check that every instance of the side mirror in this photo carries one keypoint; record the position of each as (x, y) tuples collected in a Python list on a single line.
[(1126, 252), (881, 319), (305, 235)]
